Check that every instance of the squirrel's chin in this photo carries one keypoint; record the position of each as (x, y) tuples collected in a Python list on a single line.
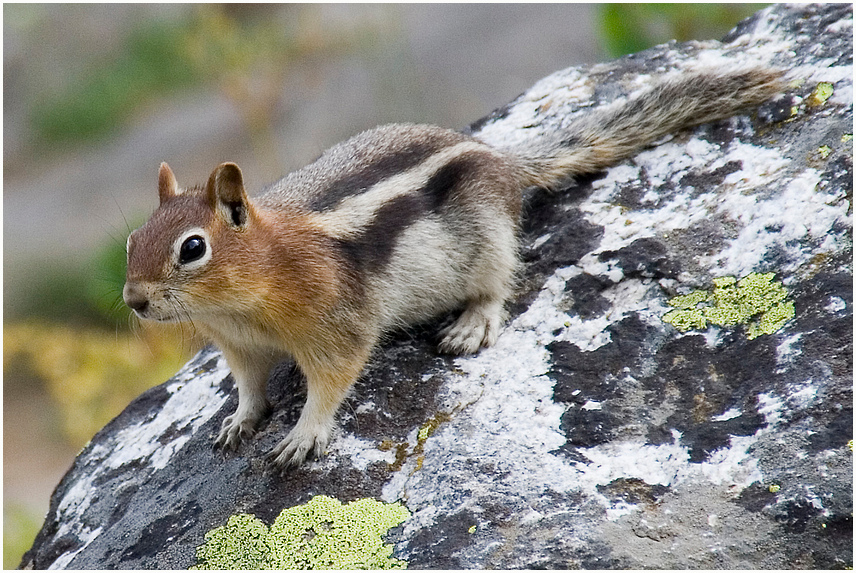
[(154, 318)]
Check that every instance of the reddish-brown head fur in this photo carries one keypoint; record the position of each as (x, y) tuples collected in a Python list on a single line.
[(208, 255)]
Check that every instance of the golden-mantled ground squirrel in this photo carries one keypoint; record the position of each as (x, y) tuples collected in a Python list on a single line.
[(392, 227)]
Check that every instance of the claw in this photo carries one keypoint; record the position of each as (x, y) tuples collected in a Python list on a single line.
[(233, 432), (297, 446)]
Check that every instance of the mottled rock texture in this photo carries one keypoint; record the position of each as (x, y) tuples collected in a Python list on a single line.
[(594, 434)]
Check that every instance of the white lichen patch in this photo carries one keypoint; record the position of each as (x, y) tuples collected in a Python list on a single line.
[(667, 464), (769, 208), (512, 424), (836, 304), (660, 464), (685, 207), (367, 406), (787, 350), (801, 211), (732, 465), (545, 317), (193, 401), (801, 396), (771, 407), (362, 453), (729, 414)]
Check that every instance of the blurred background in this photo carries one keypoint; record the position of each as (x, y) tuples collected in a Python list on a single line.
[(96, 96)]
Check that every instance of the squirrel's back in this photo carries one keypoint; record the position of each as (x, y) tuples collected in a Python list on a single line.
[(411, 210)]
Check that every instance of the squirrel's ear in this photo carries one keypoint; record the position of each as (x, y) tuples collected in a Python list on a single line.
[(167, 187), (226, 194)]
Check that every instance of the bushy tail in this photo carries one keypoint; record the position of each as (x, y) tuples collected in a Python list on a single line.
[(608, 134)]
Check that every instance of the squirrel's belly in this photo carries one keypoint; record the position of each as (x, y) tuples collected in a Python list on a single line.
[(433, 270)]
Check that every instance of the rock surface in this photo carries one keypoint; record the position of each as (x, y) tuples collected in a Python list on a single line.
[(593, 434)]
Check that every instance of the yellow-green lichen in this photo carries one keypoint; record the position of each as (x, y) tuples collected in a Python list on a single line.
[(755, 300), (320, 534), (821, 93), (774, 488), (424, 432), (422, 436), (824, 151), (846, 137), (430, 426), (401, 449)]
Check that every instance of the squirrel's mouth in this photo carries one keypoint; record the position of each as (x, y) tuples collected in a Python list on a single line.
[(141, 298), (148, 315)]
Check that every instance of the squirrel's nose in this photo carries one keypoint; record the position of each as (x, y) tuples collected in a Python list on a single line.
[(135, 297)]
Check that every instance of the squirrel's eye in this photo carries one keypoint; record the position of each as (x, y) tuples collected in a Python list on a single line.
[(192, 249)]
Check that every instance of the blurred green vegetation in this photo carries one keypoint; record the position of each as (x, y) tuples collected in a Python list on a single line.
[(92, 373), (241, 50), (85, 293), (248, 55), (18, 522), (152, 62), (629, 28)]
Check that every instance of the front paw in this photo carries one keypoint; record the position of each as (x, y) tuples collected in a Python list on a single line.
[(298, 444), (235, 430)]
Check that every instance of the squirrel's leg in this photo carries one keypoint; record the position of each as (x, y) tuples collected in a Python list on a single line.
[(484, 314), (250, 371), (327, 387)]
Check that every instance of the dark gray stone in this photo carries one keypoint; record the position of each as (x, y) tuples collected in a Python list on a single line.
[(594, 434)]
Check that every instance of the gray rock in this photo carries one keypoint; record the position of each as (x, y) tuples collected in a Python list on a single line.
[(594, 434)]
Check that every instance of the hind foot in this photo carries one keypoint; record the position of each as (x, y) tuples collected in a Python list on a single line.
[(477, 326)]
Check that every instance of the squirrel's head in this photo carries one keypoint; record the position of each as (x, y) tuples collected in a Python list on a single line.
[(178, 260)]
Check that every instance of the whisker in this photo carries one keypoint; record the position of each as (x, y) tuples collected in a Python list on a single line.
[(184, 319)]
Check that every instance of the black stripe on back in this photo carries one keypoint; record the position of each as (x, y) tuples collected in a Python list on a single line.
[(439, 186), (372, 249), (373, 173)]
